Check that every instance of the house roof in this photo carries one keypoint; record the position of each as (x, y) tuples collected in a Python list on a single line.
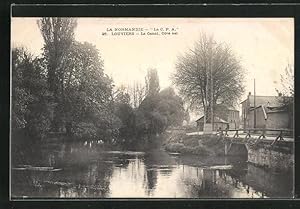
[(216, 120), (200, 118), (276, 109), (271, 101), (268, 110)]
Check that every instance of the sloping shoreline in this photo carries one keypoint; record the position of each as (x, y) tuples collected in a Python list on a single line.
[(179, 142)]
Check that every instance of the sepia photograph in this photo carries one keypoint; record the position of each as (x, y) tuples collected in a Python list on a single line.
[(114, 107)]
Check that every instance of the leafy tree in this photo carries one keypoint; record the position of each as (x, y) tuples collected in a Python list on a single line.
[(31, 109), (83, 102), (127, 117), (160, 112), (151, 121), (171, 106), (286, 92), (140, 123), (20, 95), (124, 112), (88, 91), (194, 70)]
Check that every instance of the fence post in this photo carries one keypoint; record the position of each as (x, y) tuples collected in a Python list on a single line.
[(279, 137)]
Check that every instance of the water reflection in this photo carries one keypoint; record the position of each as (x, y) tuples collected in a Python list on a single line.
[(90, 171)]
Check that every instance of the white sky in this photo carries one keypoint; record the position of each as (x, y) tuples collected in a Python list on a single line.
[(264, 45)]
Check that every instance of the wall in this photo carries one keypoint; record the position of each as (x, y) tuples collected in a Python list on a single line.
[(260, 118), (233, 125), (278, 120), (216, 126), (233, 119), (222, 125), (278, 157), (245, 108), (200, 125), (238, 150)]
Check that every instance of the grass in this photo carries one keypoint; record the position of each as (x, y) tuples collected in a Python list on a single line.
[(181, 148), (198, 145)]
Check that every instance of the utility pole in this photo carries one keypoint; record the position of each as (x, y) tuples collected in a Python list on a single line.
[(206, 98), (211, 96), (254, 125)]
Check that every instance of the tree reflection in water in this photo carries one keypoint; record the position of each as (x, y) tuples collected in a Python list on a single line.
[(91, 172), (151, 181)]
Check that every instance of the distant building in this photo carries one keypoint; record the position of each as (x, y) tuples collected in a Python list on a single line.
[(233, 118), (218, 123), (269, 113), (269, 117), (223, 118)]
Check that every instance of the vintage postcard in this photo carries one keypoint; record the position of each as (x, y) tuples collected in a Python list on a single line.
[(152, 108)]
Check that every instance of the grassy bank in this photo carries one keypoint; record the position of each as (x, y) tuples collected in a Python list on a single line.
[(196, 144)]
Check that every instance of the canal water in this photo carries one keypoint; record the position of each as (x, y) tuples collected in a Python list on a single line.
[(87, 170)]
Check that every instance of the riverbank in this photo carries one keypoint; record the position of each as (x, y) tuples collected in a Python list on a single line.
[(205, 145), (263, 153)]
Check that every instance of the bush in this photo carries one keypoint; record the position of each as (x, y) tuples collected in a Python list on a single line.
[(39, 126), (175, 147), (200, 150), (196, 150), (85, 131), (191, 141)]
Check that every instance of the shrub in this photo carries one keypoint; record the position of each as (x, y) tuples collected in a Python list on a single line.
[(200, 150), (85, 131), (175, 147), (191, 141), (196, 150)]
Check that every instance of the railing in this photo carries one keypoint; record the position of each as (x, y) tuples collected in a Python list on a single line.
[(282, 132)]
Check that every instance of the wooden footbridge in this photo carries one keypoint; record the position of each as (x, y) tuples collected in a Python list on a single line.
[(272, 148), (258, 133)]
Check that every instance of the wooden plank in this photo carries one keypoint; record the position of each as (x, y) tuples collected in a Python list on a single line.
[(32, 168), (258, 129)]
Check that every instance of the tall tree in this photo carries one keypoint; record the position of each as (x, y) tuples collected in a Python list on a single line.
[(137, 94), (152, 82), (58, 35), (209, 59)]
